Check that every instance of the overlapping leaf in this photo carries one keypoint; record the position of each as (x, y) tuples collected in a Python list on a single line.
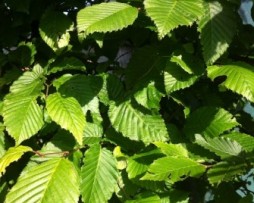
[(53, 181), (136, 125), (23, 117), (223, 147), (67, 113), (174, 168), (11, 155), (169, 14), (172, 149), (246, 141), (217, 28), (98, 175), (224, 172), (209, 121), (54, 29), (239, 78), (106, 17)]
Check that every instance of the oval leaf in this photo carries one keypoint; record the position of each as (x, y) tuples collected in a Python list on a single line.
[(67, 113), (99, 175), (52, 181), (105, 17)]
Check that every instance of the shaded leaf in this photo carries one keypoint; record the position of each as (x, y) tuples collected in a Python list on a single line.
[(224, 172), (239, 78), (54, 29), (223, 147), (209, 121), (11, 155), (217, 28)]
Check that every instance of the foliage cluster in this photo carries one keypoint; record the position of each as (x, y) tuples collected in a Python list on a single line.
[(125, 101)]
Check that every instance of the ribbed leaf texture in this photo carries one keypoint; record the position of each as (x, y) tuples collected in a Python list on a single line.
[(145, 198), (172, 149), (30, 83), (67, 113), (149, 97), (224, 172), (67, 63), (239, 78), (106, 17), (99, 175), (92, 133), (246, 141), (217, 28), (23, 117), (54, 29), (136, 125), (175, 168), (169, 14), (52, 181), (13, 154), (223, 147), (209, 121), (80, 87)]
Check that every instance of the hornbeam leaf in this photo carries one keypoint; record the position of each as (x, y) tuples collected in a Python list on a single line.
[(54, 29), (239, 78), (246, 141), (224, 172), (169, 14), (12, 154), (23, 117), (209, 121), (137, 125), (172, 149), (29, 83), (98, 175), (217, 28), (223, 147), (67, 112), (174, 168), (55, 180), (106, 17)]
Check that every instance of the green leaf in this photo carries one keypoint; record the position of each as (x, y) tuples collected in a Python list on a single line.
[(209, 121), (67, 63), (217, 28), (221, 146), (137, 125), (80, 87), (92, 133), (109, 17), (30, 83), (53, 181), (169, 14), (172, 149), (176, 77), (224, 172), (145, 198), (12, 154), (98, 175), (246, 141), (23, 117), (110, 88), (239, 78), (149, 97), (67, 113), (54, 29), (175, 168)]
